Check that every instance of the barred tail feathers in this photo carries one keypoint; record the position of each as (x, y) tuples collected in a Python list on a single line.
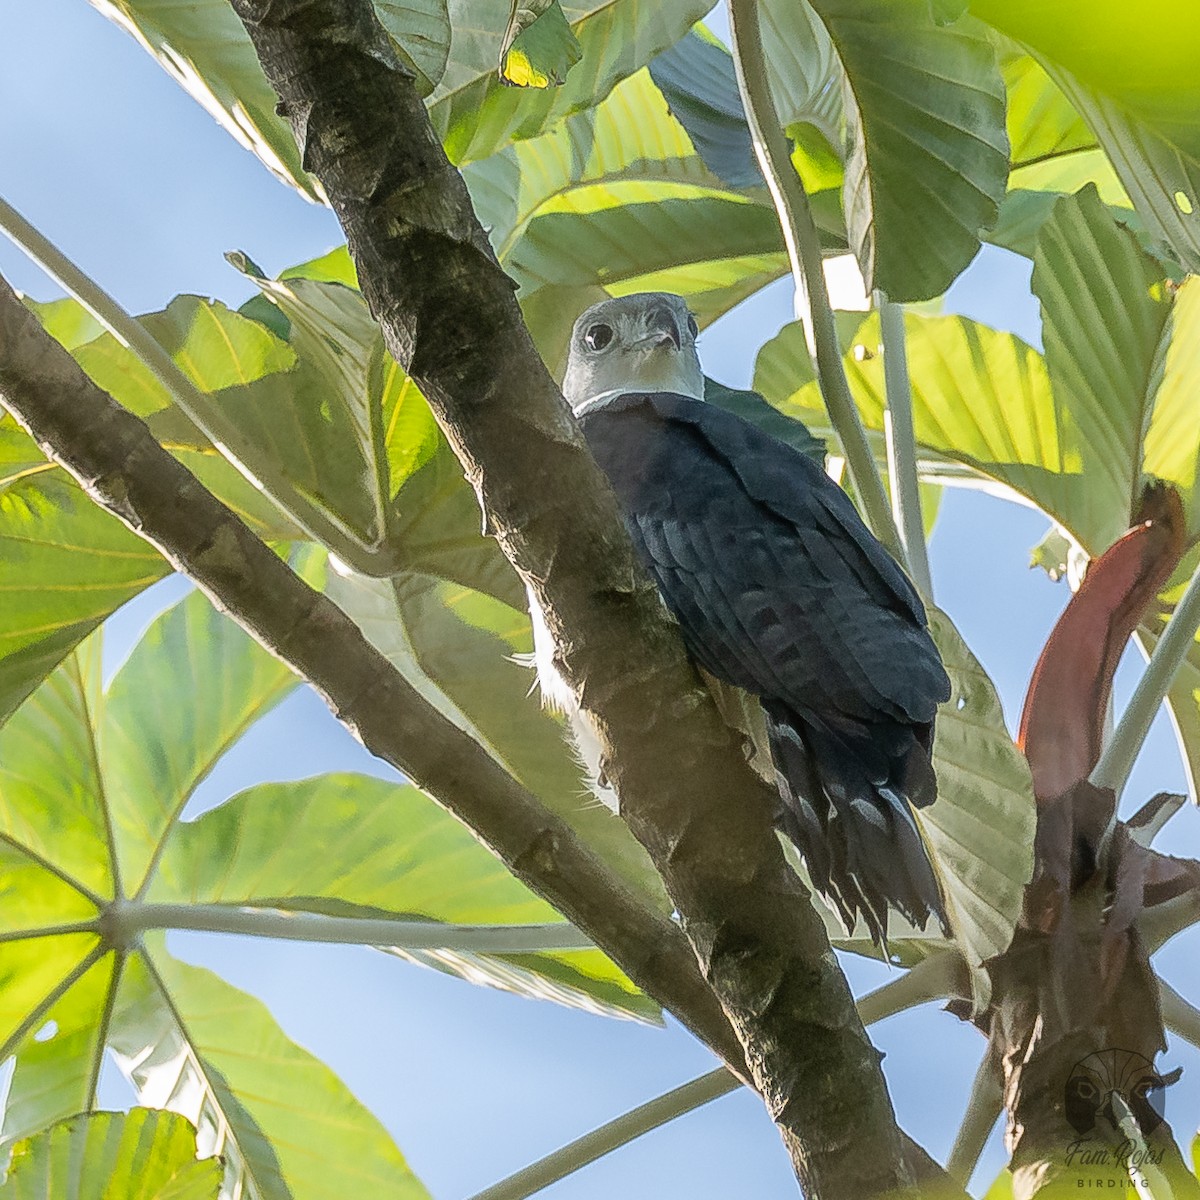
[(846, 795)]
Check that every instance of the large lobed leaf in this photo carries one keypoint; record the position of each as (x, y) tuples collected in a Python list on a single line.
[(93, 784), (914, 107), (927, 163), (203, 46), (1131, 79), (980, 829), (617, 200), (476, 115)]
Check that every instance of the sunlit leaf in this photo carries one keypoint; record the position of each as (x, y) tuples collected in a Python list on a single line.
[(57, 1070), (65, 565), (475, 114), (351, 845), (457, 647), (922, 103), (151, 766), (51, 793), (139, 1155), (1131, 80), (191, 1043), (617, 200)]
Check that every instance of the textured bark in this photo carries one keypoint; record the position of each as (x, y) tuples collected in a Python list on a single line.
[(449, 316)]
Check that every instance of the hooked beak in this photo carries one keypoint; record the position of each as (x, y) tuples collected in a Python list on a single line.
[(662, 331)]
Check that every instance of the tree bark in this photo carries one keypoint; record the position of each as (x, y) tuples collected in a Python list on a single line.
[(116, 459), (449, 316)]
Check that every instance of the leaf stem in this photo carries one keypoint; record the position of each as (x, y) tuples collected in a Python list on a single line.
[(900, 435), (932, 978), (983, 1110), (222, 433), (611, 1136), (937, 977), (124, 921), (804, 253), (1112, 771)]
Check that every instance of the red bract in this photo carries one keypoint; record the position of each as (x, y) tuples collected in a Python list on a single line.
[(1063, 720)]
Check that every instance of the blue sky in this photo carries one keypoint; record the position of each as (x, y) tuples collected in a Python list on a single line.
[(103, 152)]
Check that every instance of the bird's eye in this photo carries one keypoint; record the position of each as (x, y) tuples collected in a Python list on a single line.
[(598, 336), (693, 328)]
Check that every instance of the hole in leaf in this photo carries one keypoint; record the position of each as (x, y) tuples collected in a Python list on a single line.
[(961, 703), (46, 1032), (861, 353), (1183, 202)]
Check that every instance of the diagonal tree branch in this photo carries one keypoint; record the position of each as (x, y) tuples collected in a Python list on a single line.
[(448, 315), (116, 459)]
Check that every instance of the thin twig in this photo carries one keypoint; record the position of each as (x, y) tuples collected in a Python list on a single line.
[(804, 252), (611, 1136), (935, 977)]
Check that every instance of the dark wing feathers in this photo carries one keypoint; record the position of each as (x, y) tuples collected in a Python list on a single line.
[(747, 535), (780, 589)]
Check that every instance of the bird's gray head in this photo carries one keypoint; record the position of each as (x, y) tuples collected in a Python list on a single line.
[(640, 343)]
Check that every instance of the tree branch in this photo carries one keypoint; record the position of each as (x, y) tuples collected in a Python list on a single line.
[(449, 316), (116, 459), (311, 518)]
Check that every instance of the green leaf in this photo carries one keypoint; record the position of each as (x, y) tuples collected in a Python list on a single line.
[(1131, 80), (1092, 276), (1079, 433), (217, 350), (616, 200), (51, 794), (803, 68), (65, 565), (475, 114), (351, 845), (457, 647), (980, 829), (56, 1076), (539, 47), (924, 111), (1042, 124), (191, 1043), (66, 321), (152, 766), (697, 78), (203, 46), (139, 1155)]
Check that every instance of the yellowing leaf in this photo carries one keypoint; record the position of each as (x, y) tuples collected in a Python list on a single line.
[(539, 46)]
